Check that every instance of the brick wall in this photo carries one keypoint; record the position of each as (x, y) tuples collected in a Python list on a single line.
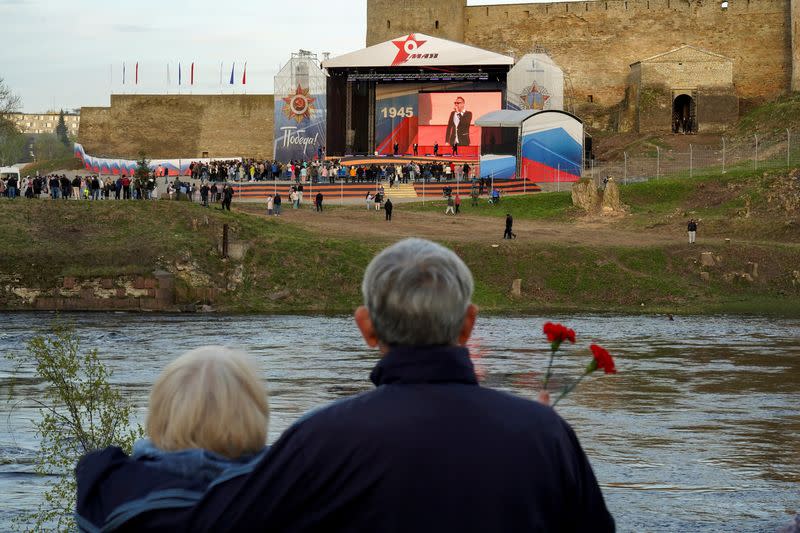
[(180, 126), (687, 68), (706, 77)]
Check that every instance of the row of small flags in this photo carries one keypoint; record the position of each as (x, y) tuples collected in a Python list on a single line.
[(191, 74)]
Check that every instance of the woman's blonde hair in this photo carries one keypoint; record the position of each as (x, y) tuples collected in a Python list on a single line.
[(210, 398)]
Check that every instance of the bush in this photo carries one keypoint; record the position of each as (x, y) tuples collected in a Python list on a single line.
[(79, 412)]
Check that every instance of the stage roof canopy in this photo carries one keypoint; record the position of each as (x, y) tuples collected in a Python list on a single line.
[(418, 50)]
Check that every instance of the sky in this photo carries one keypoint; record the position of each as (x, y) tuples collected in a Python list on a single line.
[(59, 54)]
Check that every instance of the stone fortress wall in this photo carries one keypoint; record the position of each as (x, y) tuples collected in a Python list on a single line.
[(595, 42), (173, 126)]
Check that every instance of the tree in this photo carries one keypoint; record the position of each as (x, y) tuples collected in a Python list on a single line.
[(142, 173), (12, 142), (9, 102), (79, 411), (47, 146), (61, 130)]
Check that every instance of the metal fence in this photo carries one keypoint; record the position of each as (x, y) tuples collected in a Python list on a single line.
[(756, 152)]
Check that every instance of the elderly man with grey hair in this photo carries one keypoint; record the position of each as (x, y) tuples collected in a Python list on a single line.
[(428, 449)]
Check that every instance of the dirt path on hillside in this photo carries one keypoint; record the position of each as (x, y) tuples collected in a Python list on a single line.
[(360, 223)]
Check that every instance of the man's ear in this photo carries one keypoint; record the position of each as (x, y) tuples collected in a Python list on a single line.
[(469, 322), (364, 323)]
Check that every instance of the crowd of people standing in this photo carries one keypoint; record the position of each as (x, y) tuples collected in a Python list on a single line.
[(97, 187), (329, 171), (89, 187), (211, 174)]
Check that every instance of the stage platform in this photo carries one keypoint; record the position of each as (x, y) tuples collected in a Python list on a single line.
[(258, 191), (403, 159)]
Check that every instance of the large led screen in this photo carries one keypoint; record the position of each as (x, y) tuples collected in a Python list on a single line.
[(448, 118), (405, 116)]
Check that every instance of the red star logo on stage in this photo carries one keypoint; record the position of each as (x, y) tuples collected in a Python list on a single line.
[(406, 47), (299, 106)]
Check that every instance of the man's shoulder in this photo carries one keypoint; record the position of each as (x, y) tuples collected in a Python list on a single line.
[(388, 403)]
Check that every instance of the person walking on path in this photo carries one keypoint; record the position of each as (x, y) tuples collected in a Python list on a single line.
[(270, 205), (474, 193), (204, 194), (450, 206), (277, 201), (692, 228), (508, 234), (227, 196), (458, 203), (318, 202), (387, 208)]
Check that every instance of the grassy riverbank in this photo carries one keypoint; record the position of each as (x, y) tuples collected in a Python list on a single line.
[(307, 262), (52, 165)]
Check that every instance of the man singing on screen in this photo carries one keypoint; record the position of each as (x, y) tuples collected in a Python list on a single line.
[(458, 125)]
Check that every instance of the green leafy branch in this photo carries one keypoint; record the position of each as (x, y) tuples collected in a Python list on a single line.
[(79, 411)]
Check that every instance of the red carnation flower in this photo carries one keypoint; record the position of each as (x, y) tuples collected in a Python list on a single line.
[(602, 359), (556, 333)]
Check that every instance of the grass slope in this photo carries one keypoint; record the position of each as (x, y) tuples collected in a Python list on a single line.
[(291, 269), (46, 167)]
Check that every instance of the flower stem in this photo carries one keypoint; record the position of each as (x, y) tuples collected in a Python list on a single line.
[(549, 368), (570, 388)]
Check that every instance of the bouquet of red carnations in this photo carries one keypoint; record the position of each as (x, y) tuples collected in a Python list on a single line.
[(557, 334)]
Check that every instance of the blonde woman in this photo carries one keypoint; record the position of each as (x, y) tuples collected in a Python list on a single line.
[(207, 421), (197, 391)]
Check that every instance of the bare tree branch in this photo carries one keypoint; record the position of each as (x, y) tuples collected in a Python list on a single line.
[(9, 102)]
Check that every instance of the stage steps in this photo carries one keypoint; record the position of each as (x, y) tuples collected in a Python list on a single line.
[(401, 190)]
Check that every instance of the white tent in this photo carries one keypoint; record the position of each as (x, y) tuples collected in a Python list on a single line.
[(418, 50)]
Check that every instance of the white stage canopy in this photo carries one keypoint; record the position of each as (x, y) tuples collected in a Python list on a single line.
[(504, 118), (418, 50)]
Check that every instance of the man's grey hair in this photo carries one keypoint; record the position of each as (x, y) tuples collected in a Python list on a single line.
[(417, 293)]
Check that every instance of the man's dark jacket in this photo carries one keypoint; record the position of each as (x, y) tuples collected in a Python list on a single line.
[(427, 450), (462, 129)]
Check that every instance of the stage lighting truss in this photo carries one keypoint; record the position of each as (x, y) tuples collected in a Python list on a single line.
[(418, 76)]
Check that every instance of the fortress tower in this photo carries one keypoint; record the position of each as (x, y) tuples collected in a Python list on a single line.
[(387, 19)]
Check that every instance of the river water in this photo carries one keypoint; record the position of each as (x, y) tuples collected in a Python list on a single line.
[(699, 430)]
